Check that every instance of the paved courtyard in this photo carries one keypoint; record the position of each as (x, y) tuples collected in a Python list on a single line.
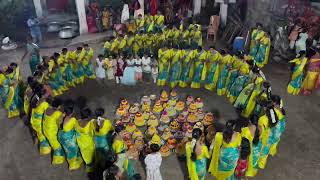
[(298, 155)]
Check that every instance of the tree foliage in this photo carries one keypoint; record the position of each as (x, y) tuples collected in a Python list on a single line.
[(13, 13)]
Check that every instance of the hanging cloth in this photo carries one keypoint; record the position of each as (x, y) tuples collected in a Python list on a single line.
[(125, 13), (153, 7)]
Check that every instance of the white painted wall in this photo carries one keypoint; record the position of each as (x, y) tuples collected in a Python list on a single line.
[(83, 27), (38, 8)]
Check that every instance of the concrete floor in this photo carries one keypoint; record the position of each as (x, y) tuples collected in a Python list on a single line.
[(298, 155)]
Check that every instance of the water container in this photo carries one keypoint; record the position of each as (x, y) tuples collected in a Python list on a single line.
[(238, 44)]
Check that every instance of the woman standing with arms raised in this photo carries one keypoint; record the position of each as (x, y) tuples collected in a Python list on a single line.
[(225, 153)]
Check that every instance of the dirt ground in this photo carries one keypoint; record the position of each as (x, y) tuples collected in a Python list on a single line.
[(298, 155)]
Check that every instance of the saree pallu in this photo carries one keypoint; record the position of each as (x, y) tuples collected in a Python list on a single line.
[(78, 72), (184, 78), (227, 163), (262, 55), (163, 73), (56, 84), (212, 77), (221, 85), (253, 169), (255, 36), (33, 63), (102, 148), (36, 123), (174, 73), (87, 148), (201, 168), (251, 102), (197, 169), (69, 77), (237, 87), (129, 167), (69, 143), (232, 76), (276, 132), (242, 99), (296, 82), (11, 100), (88, 70), (309, 83), (50, 130), (196, 80)]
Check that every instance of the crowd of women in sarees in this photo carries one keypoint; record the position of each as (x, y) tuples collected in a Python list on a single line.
[(66, 69), (244, 145), (260, 46), (71, 133), (305, 77), (150, 40)]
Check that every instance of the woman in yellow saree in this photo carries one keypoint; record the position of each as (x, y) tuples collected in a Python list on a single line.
[(247, 98), (77, 57), (272, 125), (225, 153), (67, 137), (252, 133), (261, 54), (212, 69), (164, 66), (39, 105), (120, 148), (256, 35), (176, 67), (199, 68), (52, 118), (84, 133), (295, 83), (10, 91), (223, 73), (101, 135), (309, 83), (234, 71), (239, 83), (197, 154)]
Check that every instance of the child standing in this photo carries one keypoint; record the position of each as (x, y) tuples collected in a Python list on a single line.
[(109, 67), (129, 73), (242, 164), (153, 163), (100, 71), (138, 68), (146, 68), (154, 72), (119, 70)]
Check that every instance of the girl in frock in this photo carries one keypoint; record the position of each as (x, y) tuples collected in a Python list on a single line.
[(119, 70), (138, 68), (153, 163), (100, 71), (129, 73)]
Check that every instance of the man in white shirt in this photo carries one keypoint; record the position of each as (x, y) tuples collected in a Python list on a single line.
[(35, 31)]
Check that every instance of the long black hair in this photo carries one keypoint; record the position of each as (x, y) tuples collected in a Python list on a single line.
[(228, 131), (196, 134), (117, 130), (271, 114), (277, 100), (244, 149), (256, 137), (39, 93)]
